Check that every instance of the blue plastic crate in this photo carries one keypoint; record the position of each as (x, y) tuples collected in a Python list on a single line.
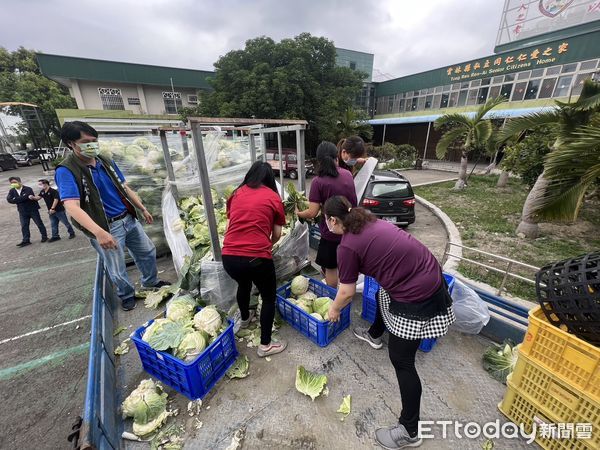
[(369, 306), (193, 379), (321, 333), (314, 236)]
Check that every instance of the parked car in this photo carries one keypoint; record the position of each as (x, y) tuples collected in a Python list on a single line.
[(28, 158), (390, 197), (7, 162), (290, 162)]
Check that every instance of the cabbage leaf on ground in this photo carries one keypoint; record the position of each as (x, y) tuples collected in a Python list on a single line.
[(240, 368), (308, 383), (499, 360), (346, 406)]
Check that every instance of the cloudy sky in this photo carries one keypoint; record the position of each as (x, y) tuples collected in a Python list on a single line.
[(405, 36)]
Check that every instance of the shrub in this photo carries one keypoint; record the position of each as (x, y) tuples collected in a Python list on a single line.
[(526, 158)]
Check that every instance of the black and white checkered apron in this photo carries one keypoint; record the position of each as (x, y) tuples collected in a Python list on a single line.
[(413, 329)]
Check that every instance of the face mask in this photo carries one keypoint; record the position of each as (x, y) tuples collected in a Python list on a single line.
[(15, 185), (328, 227), (351, 162), (89, 150)]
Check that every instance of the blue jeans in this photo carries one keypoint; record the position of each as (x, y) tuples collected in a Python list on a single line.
[(60, 216), (128, 232)]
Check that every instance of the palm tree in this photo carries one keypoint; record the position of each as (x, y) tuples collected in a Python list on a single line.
[(557, 194), (354, 123), (473, 132)]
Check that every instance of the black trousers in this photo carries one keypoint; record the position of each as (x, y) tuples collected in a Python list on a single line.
[(260, 271), (402, 355), (25, 218)]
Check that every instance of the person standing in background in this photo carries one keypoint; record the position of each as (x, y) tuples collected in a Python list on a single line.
[(24, 198), (56, 209), (352, 153)]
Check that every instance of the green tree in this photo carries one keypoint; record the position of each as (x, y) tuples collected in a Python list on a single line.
[(557, 194), (354, 122), (471, 133), (21, 81), (526, 157), (294, 78)]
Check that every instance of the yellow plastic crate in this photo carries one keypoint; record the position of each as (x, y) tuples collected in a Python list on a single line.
[(572, 359), (534, 394)]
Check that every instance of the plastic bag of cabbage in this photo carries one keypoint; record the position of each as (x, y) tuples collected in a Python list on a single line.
[(183, 332), (317, 307)]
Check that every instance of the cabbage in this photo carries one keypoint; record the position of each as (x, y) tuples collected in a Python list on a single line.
[(317, 316), (191, 346), (154, 157), (130, 403), (239, 369), (153, 328), (143, 142), (299, 285), (304, 306), (208, 320), (181, 308), (144, 429), (321, 305), (308, 297), (309, 383), (168, 335), (147, 404), (134, 152)]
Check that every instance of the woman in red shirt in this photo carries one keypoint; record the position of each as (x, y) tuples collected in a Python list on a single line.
[(255, 216)]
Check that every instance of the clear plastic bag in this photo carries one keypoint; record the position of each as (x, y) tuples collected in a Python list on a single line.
[(173, 230), (290, 255), (216, 286), (471, 312)]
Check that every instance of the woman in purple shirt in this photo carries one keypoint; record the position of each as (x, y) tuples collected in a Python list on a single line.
[(330, 181), (413, 300)]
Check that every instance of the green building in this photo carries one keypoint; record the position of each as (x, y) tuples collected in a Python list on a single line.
[(531, 73)]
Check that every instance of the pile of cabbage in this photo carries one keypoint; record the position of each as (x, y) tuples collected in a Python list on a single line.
[(142, 162), (147, 405), (231, 152), (183, 332), (317, 307)]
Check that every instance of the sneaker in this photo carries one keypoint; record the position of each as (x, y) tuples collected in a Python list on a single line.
[(396, 437), (272, 349), (54, 239), (128, 304), (23, 244), (363, 335), (44, 239), (251, 318), (72, 236), (158, 285)]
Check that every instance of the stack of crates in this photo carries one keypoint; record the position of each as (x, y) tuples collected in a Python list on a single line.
[(555, 385), (369, 306)]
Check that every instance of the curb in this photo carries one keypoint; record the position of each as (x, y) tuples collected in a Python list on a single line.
[(451, 264)]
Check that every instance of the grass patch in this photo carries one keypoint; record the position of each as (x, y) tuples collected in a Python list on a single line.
[(487, 217)]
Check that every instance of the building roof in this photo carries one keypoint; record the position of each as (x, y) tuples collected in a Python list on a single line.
[(63, 68)]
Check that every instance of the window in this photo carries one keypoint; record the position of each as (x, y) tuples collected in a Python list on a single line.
[(464, 85), (472, 97), (494, 91), (444, 103), (547, 88), (408, 104), (428, 101), (497, 80), (133, 101), (423, 92), (588, 65), (430, 90), (172, 102), (462, 98), (401, 105), (421, 105), (475, 83), (509, 77), (111, 98), (436, 101), (485, 82), (567, 68), (352, 65), (292, 157), (523, 75), (456, 86), (438, 89), (532, 89), (553, 70), (447, 88), (536, 73), (390, 190), (413, 105), (482, 95), (453, 99), (192, 99), (562, 86), (578, 86), (506, 90), (390, 103), (519, 91), (416, 93)]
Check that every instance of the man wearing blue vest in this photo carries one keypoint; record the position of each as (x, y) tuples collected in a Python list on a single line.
[(106, 209)]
